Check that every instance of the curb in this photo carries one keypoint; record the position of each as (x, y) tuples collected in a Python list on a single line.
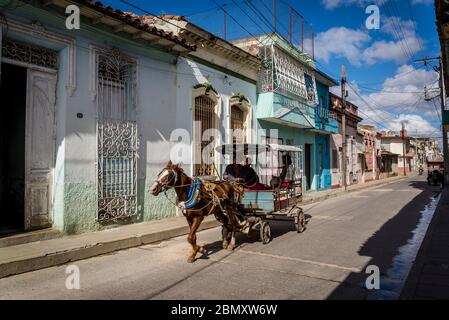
[(57, 258), (414, 275)]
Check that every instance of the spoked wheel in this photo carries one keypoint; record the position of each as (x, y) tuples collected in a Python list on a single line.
[(265, 232), (300, 220)]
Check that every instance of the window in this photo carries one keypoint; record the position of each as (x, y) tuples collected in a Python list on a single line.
[(204, 116), (237, 125), (117, 136), (335, 159)]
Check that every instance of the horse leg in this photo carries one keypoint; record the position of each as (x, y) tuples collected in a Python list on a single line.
[(224, 234), (225, 230), (192, 238), (234, 223)]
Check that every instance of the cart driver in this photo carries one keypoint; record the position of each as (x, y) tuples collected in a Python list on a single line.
[(234, 172)]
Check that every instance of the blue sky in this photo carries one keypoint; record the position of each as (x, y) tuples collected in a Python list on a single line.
[(384, 81)]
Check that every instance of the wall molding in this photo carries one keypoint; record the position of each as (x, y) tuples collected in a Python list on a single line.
[(37, 30)]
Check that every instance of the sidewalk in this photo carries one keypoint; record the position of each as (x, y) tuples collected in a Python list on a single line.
[(21, 258), (323, 195), (429, 276), (43, 254)]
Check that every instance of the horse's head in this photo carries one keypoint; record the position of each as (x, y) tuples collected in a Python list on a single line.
[(166, 179)]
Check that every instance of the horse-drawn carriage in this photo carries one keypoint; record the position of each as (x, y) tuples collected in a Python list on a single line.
[(272, 193), (277, 193)]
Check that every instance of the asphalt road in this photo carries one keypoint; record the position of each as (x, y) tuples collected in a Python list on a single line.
[(328, 261)]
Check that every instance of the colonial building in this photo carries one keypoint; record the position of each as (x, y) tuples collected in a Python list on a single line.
[(293, 99), (88, 114), (216, 92), (373, 156), (355, 145), (396, 143)]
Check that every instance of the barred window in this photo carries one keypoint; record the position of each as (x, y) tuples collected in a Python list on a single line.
[(204, 114), (237, 124)]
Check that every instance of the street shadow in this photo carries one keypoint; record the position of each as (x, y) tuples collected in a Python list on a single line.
[(382, 248), (279, 227)]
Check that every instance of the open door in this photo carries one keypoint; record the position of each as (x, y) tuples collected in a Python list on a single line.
[(39, 151), (308, 166)]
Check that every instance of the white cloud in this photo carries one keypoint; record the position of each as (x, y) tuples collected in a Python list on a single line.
[(341, 42), (332, 4), (358, 47), (400, 98)]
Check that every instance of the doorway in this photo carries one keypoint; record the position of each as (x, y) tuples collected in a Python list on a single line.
[(13, 87), (307, 166)]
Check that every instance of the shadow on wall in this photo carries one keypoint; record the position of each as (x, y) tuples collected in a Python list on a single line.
[(383, 247)]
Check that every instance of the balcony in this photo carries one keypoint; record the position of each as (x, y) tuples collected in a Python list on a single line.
[(326, 121), (279, 109)]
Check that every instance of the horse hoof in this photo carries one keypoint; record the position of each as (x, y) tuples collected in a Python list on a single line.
[(191, 260), (201, 250), (225, 245), (230, 248)]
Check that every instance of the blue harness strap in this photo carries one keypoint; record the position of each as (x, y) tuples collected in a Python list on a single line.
[(193, 197)]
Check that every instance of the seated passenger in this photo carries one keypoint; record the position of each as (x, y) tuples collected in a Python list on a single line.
[(250, 176), (282, 179)]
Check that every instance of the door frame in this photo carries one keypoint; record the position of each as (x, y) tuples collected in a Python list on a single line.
[(27, 142)]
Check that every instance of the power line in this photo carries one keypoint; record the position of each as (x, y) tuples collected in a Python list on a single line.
[(412, 17), (236, 21), (177, 26)]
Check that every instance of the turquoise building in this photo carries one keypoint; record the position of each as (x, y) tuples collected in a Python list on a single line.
[(293, 105)]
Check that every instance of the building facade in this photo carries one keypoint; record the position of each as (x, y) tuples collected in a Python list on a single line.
[(292, 102), (355, 146), (89, 114), (399, 143), (373, 155)]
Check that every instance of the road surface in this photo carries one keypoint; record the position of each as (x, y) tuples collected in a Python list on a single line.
[(344, 236)]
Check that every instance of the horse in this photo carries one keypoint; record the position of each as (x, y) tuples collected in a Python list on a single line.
[(220, 199)]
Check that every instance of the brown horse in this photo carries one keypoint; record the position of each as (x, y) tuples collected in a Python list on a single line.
[(219, 199)]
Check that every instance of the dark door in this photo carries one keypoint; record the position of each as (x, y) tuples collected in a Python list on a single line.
[(12, 148), (307, 165)]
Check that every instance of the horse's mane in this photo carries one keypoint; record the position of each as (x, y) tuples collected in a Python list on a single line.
[(176, 167)]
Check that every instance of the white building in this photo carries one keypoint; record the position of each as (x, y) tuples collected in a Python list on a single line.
[(91, 113)]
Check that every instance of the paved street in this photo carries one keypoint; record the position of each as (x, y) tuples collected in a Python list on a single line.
[(328, 261)]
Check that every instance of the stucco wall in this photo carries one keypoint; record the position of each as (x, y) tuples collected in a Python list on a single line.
[(164, 96)]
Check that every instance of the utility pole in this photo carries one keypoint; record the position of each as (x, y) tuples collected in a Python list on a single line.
[(343, 124), (274, 15), (403, 148), (442, 101), (445, 144), (225, 11)]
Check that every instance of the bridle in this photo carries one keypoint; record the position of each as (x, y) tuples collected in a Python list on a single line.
[(173, 178)]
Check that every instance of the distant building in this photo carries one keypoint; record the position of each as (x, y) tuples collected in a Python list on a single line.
[(355, 147), (393, 142), (373, 156)]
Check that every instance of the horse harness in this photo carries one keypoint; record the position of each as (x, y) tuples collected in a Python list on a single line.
[(194, 195)]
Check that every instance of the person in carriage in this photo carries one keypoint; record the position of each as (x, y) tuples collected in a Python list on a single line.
[(244, 175)]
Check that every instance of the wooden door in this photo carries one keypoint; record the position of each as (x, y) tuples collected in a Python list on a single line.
[(39, 148)]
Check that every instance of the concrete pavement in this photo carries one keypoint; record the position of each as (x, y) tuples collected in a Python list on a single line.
[(429, 277), (328, 261), (25, 257)]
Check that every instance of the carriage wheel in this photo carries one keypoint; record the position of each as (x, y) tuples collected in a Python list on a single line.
[(300, 221), (265, 233)]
